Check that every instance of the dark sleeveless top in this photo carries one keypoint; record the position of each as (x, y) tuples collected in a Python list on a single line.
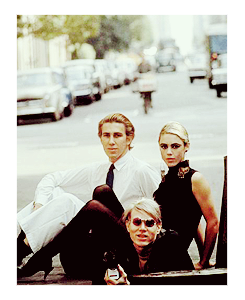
[(179, 207)]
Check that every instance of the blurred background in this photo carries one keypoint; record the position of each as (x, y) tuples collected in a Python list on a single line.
[(73, 70), (51, 40)]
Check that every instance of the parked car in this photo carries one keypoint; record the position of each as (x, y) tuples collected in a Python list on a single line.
[(80, 82), (97, 76), (165, 61), (101, 67), (43, 92), (197, 66), (132, 68), (128, 74), (219, 75), (117, 75)]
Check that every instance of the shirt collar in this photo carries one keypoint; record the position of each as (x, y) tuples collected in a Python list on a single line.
[(122, 161)]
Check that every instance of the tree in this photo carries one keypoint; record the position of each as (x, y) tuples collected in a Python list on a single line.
[(23, 25), (117, 32), (77, 28), (104, 33)]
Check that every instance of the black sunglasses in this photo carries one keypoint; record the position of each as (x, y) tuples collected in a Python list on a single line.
[(148, 223)]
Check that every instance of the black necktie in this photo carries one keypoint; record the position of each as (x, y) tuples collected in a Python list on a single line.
[(110, 176)]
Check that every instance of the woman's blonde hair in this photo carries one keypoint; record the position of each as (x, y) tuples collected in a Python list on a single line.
[(146, 205), (177, 129), (117, 118)]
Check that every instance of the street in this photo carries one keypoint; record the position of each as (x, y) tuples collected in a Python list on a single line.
[(73, 141)]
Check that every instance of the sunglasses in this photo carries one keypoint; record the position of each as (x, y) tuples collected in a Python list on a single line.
[(148, 223)]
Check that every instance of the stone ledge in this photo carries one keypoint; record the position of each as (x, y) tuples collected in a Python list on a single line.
[(210, 276)]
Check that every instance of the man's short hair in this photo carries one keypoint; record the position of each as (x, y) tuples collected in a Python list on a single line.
[(117, 118), (149, 206)]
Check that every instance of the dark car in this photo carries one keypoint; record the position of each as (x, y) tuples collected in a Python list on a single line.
[(43, 92)]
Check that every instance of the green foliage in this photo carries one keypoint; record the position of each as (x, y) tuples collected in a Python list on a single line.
[(23, 24), (77, 28), (117, 32), (102, 32)]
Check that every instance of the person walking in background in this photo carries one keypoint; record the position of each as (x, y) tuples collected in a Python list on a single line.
[(144, 66), (184, 195)]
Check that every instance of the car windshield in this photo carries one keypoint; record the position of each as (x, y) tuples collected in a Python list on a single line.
[(38, 79), (76, 73), (198, 59), (165, 55)]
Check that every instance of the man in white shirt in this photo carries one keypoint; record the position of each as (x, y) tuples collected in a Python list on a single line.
[(61, 195)]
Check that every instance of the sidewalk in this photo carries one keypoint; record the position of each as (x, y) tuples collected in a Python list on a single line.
[(210, 276), (58, 277)]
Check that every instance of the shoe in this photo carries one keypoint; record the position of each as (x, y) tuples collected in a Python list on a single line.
[(22, 249), (34, 265)]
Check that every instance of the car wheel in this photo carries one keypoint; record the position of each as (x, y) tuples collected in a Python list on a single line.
[(68, 110), (210, 83), (57, 116), (98, 96), (93, 98), (218, 93)]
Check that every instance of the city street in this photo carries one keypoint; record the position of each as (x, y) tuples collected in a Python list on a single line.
[(73, 141)]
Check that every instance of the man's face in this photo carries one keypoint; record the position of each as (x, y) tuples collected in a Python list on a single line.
[(114, 140), (141, 235)]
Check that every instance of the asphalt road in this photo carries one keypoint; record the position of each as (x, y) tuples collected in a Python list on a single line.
[(48, 146)]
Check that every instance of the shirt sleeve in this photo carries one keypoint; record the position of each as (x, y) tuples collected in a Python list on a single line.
[(74, 178), (149, 180)]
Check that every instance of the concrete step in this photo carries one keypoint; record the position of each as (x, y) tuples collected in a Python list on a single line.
[(56, 276)]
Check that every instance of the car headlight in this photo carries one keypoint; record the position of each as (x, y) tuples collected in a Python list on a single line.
[(49, 100), (46, 99)]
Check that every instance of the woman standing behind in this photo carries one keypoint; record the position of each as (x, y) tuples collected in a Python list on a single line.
[(184, 195)]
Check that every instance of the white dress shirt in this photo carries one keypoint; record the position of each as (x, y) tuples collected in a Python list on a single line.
[(64, 193), (133, 179)]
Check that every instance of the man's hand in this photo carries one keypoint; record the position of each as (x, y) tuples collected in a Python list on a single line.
[(36, 206), (122, 280)]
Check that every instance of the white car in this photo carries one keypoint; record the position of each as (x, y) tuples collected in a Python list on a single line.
[(80, 82), (197, 66), (43, 92), (219, 75)]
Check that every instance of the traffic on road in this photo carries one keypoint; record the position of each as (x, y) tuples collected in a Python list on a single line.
[(54, 92)]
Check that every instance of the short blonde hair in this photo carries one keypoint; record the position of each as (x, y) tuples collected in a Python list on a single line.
[(177, 129), (149, 206)]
